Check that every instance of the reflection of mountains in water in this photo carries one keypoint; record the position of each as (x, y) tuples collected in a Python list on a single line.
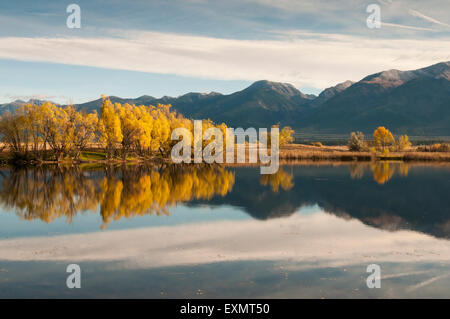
[(388, 196), (378, 194)]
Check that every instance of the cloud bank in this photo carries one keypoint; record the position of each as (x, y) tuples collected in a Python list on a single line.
[(304, 59)]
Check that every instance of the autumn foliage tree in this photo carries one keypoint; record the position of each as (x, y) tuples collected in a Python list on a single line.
[(286, 135), (383, 138), (31, 129), (110, 127), (403, 143)]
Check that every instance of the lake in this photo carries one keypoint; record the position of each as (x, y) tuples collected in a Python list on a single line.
[(309, 231)]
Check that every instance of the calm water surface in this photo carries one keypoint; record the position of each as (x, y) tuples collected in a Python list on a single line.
[(307, 231)]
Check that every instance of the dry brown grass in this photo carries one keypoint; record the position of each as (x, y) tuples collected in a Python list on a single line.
[(424, 156), (341, 153), (309, 152)]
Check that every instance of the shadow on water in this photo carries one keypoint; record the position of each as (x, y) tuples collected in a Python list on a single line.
[(390, 196)]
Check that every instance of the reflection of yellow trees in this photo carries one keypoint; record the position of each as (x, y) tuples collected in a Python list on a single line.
[(156, 191), (48, 194), (403, 169), (382, 171), (280, 178), (120, 192)]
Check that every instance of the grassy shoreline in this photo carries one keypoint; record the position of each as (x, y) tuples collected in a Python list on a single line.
[(341, 153), (288, 154)]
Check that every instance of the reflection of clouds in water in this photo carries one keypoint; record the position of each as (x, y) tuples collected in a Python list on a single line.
[(404, 274), (427, 282), (305, 241)]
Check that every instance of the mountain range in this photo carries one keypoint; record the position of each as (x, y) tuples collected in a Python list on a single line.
[(415, 102)]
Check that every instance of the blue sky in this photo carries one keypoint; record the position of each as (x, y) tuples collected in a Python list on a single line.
[(171, 47)]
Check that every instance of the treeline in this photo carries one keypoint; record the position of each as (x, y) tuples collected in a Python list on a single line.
[(54, 132), (34, 130), (62, 132)]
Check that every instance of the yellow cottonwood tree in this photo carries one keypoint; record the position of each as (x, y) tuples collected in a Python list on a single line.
[(146, 121), (14, 133), (130, 127), (383, 138), (110, 127), (161, 130), (286, 135), (61, 131), (85, 128)]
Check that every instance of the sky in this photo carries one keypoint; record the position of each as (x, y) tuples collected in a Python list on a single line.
[(172, 47)]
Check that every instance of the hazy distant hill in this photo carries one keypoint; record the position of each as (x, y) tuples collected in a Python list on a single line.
[(15, 104), (416, 102), (96, 104)]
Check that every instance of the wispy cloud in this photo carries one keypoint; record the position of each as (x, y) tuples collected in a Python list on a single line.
[(395, 25), (427, 18), (304, 59)]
